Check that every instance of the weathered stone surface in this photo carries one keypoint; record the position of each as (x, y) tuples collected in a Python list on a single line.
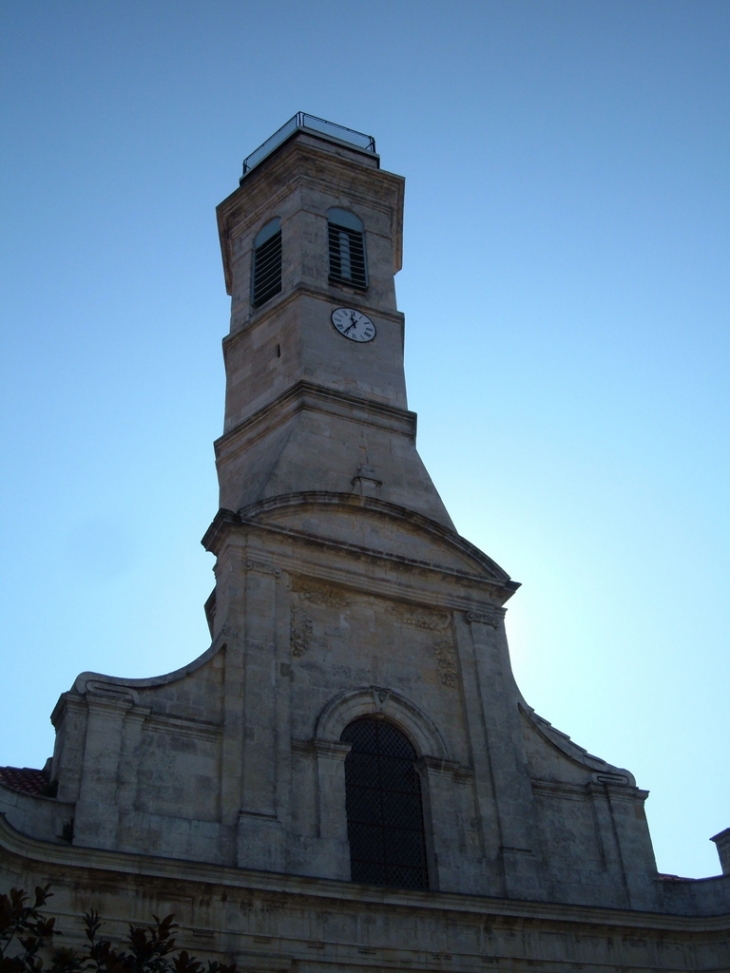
[(343, 591), (272, 922)]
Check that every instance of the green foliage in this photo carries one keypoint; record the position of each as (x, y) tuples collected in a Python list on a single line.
[(25, 934)]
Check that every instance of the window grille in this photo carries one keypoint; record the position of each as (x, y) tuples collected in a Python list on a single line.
[(347, 249), (266, 269), (384, 810)]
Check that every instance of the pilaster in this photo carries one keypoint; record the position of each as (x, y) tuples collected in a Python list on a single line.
[(128, 768), (634, 852), (495, 728), (334, 849), (96, 822), (444, 822), (261, 835), (69, 719)]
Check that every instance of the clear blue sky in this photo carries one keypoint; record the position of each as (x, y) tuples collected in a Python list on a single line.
[(567, 300)]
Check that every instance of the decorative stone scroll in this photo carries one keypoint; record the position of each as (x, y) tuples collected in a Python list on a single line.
[(446, 662), (301, 633), (488, 616), (111, 691), (381, 695), (425, 619), (263, 567), (319, 593)]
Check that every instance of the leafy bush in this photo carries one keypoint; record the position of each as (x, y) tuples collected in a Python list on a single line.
[(26, 934)]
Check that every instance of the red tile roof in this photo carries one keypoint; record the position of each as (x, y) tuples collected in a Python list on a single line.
[(25, 780)]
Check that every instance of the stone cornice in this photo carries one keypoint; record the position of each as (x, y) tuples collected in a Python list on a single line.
[(113, 867), (601, 771), (253, 517), (392, 511), (329, 295), (314, 398), (93, 679), (492, 617)]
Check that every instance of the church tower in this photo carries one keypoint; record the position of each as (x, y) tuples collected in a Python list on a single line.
[(315, 394), (338, 569), (353, 609), (348, 777)]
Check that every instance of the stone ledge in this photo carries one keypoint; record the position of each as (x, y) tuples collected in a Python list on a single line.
[(252, 518), (112, 866), (307, 396)]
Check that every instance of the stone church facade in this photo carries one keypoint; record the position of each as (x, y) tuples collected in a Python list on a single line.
[(348, 778)]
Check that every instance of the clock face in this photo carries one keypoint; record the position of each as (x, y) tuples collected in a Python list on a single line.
[(353, 324)]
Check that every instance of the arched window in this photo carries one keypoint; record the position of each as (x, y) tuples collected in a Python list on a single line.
[(347, 249), (384, 811), (266, 268)]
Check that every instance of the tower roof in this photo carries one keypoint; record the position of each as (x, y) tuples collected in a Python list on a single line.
[(319, 127)]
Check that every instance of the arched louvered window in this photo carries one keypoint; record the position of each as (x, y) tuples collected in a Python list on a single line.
[(347, 249), (384, 810), (266, 268)]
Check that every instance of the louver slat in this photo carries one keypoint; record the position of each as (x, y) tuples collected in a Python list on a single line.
[(267, 270), (347, 256)]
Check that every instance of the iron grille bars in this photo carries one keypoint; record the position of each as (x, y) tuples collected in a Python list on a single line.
[(384, 810)]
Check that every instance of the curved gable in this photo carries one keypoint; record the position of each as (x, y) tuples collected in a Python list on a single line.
[(377, 527)]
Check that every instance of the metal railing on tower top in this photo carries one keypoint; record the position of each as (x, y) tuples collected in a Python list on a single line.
[(311, 123)]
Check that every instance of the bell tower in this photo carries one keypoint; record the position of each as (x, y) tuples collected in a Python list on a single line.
[(315, 394)]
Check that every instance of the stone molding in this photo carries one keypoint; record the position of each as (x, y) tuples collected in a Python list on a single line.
[(306, 396), (131, 872), (102, 691), (486, 571), (567, 790), (261, 566), (601, 771), (383, 702), (492, 616), (87, 682), (450, 768), (328, 748), (307, 289), (198, 729)]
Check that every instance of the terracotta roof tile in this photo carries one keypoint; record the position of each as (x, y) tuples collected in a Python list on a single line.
[(25, 780)]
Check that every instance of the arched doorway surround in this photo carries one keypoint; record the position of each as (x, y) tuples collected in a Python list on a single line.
[(384, 809), (431, 763)]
